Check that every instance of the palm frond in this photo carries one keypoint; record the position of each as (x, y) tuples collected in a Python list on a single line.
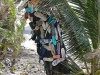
[(88, 15), (75, 69)]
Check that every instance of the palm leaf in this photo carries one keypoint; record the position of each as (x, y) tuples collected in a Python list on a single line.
[(75, 69), (88, 17)]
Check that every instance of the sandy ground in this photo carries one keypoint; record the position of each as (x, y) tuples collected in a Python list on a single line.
[(26, 63)]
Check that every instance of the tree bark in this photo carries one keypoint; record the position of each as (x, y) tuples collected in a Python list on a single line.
[(98, 5)]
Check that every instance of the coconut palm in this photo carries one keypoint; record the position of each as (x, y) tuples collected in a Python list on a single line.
[(80, 21)]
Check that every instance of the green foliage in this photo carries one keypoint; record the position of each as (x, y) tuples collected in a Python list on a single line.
[(9, 21), (1, 65), (14, 39), (98, 72), (11, 33), (14, 68), (27, 64), (11, 9), (88, 15)]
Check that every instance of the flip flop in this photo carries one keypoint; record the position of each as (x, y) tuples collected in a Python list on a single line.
[(58, 48), (44, 25), (37, 28), (58, 28), (45, 41), (48, 29), (39, 23), (43, 51), (31, 25), (54, 40), (63, 53), (31, 19), (56, 34), (26, 15), (41, 29), (50, 18), (53, 52), (56, 56), (53, 32), (48, 59), (29, 9), (50, 47), (40, 15), (57, 61)]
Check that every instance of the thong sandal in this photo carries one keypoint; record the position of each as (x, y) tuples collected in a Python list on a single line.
[(57, 61)]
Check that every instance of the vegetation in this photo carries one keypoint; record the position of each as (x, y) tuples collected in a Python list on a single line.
[(10, 33)]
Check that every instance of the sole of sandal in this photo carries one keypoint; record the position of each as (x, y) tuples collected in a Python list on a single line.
[(48, 59), (57, 61)]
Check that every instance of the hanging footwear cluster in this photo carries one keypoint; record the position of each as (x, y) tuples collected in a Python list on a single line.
[(46, 32)]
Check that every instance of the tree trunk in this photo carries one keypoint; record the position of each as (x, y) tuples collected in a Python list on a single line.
[(98, 1)]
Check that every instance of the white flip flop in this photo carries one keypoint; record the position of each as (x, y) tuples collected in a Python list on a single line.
[(48, 59), (63, 54), (59, 30), (41, 29), (57, 61), (44, 25), (56, 34)]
